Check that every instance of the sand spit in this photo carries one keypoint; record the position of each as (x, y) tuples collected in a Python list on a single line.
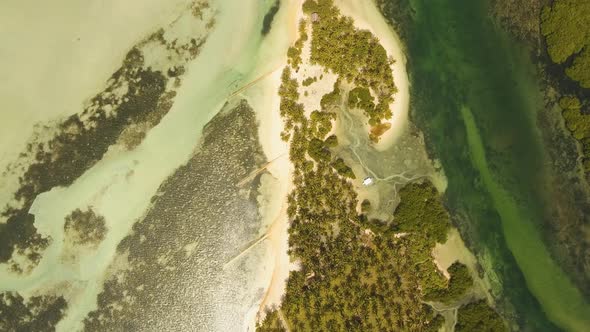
[(366, 16), (264, 99)]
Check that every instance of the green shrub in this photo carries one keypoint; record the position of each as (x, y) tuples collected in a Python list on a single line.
[(478, 316), (365, 206), (309, 81), (331, 141), (459, 283), (343, 169), (566, 27), (360, 97), (570, 103), (318, 151), (331, 98), (421, 211), (577, 123)]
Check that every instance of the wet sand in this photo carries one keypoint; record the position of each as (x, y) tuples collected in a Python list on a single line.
[(264, 99)]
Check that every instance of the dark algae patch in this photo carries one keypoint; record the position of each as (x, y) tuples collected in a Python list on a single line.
[(79, 145), (166, 285), (39, 313), (85, 227), (476, 94), (269, 17), (135, 100)]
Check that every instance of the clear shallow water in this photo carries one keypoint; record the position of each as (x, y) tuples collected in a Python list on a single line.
[(476, 96), (120, 187)]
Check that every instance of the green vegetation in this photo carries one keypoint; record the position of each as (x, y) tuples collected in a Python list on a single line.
[(331, 99), (570, 102), (354, 55), (435, 324), (321, 123), (566, 27), (478, 316), (272, 323), (575, 121), (318, 151), (331, 141), (294, 52), (334, 249), (578, 124), (459, 283), (361, 98), (381, 271), (355, 274), (580, 69), (421, 213), (291, 110), (343, 169), (365, 206), (309, 81), (336, 246), (307, 135)]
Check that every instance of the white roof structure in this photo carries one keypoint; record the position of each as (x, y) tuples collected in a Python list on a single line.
[(368, 181)]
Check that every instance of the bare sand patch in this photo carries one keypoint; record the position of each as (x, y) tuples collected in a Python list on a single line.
[(455, 250)]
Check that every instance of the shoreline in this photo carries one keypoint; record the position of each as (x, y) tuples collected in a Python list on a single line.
[(455, 250), (265, 100), (276, 268), (271, 124), (366, 16)]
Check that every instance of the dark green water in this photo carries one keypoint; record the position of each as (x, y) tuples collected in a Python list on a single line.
[(475, 95)]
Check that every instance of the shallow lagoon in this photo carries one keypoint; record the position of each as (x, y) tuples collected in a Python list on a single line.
[(120, 187)]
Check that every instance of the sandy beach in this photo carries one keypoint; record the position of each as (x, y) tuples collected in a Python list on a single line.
[(367, 16), (281, 170), (263, 98), (455, 250)]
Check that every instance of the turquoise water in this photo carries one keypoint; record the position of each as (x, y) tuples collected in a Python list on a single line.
[(475, 95)]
